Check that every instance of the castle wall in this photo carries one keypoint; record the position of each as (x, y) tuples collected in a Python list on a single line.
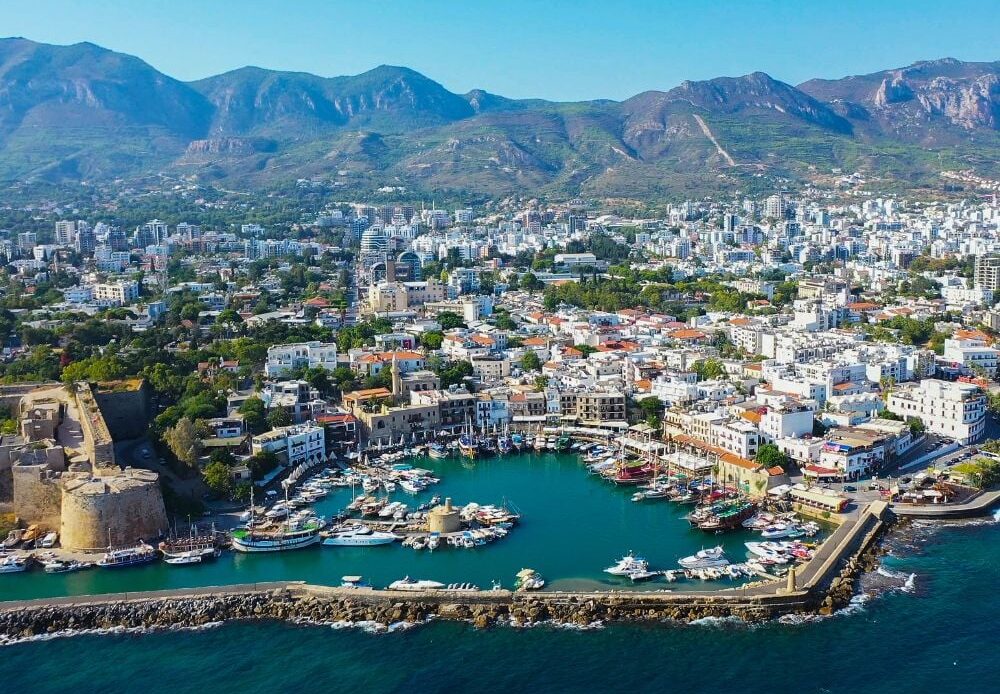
[(126, 408), (125, 507), (37, 496)]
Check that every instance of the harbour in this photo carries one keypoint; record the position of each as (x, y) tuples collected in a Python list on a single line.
[(571, 527)]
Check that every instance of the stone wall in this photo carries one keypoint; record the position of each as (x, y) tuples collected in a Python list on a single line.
[(97, 440), (37, 496), (125, 406)]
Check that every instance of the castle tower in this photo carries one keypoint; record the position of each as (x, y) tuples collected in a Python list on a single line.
[(397, 382)]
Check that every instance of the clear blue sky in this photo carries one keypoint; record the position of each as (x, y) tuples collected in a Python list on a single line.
[(555, 49)]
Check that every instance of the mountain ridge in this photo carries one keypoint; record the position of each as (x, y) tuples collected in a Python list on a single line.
[(83, 112)]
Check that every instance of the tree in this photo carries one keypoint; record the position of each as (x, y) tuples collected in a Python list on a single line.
[(505, 322), (710, 369), (431, 339), (449, 320), (254, 414), (217, 479), (768, 455), (183, 441), (530, 361), (541, 383), (530, 281), (279, 417), (262, 463), (651, 406)]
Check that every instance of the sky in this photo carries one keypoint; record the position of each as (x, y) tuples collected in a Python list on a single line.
[(555, 49)]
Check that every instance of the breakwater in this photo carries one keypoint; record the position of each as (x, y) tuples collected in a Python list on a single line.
[(822, 586)]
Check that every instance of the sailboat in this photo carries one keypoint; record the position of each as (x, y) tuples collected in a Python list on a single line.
[(467, 444), (289, 534), (504, 443)]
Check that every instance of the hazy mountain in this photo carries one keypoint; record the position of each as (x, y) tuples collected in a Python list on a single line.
[(83, 112)]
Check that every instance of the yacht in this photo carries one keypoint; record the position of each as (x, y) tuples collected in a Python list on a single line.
[(130, 556), (705, 558), (408, 584), (628, 564), (12, 564), (276, 538), (437, 451), (361, 536), (779, 530)]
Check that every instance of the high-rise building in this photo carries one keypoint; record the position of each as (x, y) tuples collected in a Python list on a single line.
[(86, 240), (987, 272), (65, 232)]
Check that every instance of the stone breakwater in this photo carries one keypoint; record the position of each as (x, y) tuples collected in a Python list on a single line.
[(830, 581)]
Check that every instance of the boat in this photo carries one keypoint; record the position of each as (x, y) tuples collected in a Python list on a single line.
[(62, 566), (528, 579), (13, 564), (628, 564), (504, 445), (517, 441), (359, 536), (408, 584), (203, 544), (726, 516), (642, 575), (705, 558), (352, 582), (563, 442), (779, 530), (49, 540), (183, 558), (766, 550), (276, 538), (129, 556), (13, 537), (467, 446), (437, 451), (433, 541)]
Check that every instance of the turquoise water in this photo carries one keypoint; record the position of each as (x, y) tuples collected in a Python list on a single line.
[(573, 526), (939, 637)]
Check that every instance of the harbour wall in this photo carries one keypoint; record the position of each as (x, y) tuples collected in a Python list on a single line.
[(827, 583)]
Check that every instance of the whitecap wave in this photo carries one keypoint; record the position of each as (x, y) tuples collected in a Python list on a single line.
[(112, 631)]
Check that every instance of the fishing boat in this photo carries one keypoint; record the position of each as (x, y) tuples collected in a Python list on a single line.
[(528, 579), (563, 442), (705, 558), (13, 564), (628, 564), (725, 516), (540, 443), (358, 536), (408, 584), (504, 445), (517, 441), (129, 556)]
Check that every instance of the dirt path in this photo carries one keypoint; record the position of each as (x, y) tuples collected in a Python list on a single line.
[(708, 133)]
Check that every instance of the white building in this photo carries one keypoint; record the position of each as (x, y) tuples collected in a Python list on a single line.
[(297, 444), (116, 293), (282, 359), (956, 410), (972, 354)]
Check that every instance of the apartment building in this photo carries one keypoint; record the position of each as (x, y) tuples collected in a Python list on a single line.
[(282, 359), (952, 409), (295, 444)]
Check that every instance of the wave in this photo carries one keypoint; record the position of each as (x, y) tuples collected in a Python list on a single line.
[(112, 631)]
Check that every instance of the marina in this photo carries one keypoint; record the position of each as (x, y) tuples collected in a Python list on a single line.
[(570, 524)]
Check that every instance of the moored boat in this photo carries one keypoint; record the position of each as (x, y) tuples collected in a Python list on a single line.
[(409, 584), (360, 536), (705, 558), (127, 557)]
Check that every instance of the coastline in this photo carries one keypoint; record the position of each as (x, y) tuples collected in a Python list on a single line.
[(828, 585)]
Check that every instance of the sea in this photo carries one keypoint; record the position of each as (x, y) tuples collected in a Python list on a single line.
[(927, 621)]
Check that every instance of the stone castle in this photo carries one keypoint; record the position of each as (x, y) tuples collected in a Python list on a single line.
[(59, 471)]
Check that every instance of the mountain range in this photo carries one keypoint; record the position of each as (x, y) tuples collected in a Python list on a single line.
[(85, 113)]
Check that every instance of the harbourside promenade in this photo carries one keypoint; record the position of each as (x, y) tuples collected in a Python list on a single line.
[(979, 505), (820, 586)]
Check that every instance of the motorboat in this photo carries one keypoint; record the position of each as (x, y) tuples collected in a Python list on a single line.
[(437, 451), (779, 530), (528, 579), (360, 536), (628, 564), (411, 585), (184, 558), (14, 564), (62, 566), (643, 575), (13, 537), (705, 558), (49, 540)]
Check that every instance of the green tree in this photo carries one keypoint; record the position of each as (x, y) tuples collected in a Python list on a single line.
[(541, 383), (531, 361), (183, 441), (768, 455), (709, 369), (254, 414), (279, 417), (449, 320), (217, 478)]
